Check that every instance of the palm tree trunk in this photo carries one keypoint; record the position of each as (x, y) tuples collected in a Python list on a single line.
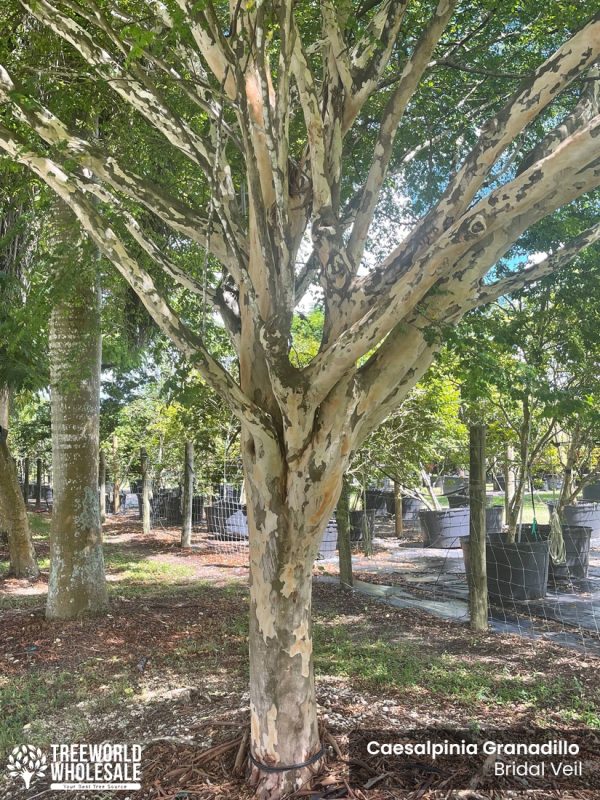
[(77, 583)]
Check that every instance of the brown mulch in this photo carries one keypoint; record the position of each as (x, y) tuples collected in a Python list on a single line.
[(139, 634)]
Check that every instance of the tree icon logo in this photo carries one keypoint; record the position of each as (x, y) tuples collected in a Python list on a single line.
[(27, 761)]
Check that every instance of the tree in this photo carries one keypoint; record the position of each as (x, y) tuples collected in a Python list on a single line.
[(15, 246), (286, 119)]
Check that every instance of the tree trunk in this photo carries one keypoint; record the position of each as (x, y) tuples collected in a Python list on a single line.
[(38, 483), (398, 521), (102, 485), (77, 582), (288, 510), (116, 478), (568, 492), (509, 478), (516, 503), (478, 595), (188, 495), (344, 544), (13, 516), (26, 480), (146, 521)]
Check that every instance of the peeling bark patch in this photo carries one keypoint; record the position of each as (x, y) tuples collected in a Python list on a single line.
[(302, 647)]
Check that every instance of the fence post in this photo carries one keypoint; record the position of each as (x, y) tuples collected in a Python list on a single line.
[(38, 483), (477, 577), (145, 491), (188, 494), (102, 484)]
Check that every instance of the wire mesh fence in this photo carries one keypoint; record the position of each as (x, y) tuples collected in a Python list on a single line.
[(422, 560)]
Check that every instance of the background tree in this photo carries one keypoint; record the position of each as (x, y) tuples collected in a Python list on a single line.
[(19, 361), (288, 126)]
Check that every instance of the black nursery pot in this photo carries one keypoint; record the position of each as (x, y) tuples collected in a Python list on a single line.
[(358, 520), (585, 515), (494, 517), (591, 492), (215, 519), (444, 528), (517, 571), (577, 550)]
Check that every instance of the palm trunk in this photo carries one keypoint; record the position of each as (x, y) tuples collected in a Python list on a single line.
[(77, 583)]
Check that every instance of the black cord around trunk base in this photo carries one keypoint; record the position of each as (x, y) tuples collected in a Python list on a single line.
[(268, 768)]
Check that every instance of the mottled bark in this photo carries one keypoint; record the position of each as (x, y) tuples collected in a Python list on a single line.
[(13, 517), (287, 513), (77, 581)]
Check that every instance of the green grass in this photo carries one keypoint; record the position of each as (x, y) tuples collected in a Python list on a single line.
[(379, 665), (42, 694)]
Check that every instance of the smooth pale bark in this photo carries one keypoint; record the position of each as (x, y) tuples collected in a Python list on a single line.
[(344, 544), (478, 596), (188, 494), (77, 582), (13, 517), (102, 485), (146, 526)]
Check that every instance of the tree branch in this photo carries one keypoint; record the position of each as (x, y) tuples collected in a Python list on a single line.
[(534, 272), (189, 343), (392, 116)]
